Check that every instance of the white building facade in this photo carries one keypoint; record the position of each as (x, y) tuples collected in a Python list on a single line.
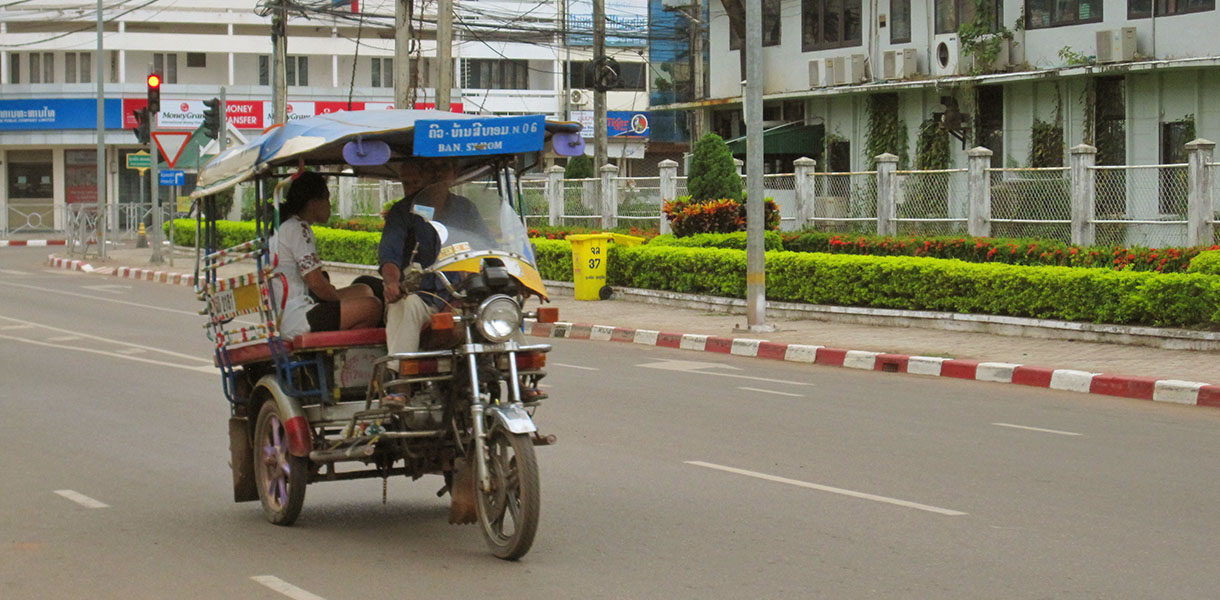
[(510, 57)]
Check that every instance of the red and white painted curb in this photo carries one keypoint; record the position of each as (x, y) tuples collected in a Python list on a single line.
[(1141, 388), (14, 243), (124, 272)]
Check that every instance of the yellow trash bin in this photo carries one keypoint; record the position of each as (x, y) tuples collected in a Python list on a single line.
[(589, 262)]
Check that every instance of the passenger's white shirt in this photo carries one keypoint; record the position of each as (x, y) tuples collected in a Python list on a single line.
[(295, 253)]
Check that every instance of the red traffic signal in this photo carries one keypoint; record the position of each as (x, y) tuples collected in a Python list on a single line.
[(154, 81)]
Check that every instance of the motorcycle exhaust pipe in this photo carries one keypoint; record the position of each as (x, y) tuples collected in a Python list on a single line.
[(352, 453), (545, 440)]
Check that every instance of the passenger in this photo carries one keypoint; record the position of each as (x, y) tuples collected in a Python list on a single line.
[(308, 301)]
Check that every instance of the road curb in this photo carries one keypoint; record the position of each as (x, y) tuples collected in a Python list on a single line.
[(17, 243), (1193, 393), (1172, 391)]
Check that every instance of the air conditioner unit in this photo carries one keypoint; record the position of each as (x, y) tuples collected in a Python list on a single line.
[(899, 64), (844, 70), (579, 97), (1116, 45), (815, 73)]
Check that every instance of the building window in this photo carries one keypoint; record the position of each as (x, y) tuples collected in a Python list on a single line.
[(1055, 13), (78, 67), (114, 66), (1138, 9), (382, 72), (952, 14), (42, 67), (14, 68), (495, 74), (1174, 184), (196, 59), (737, 21), (167, 66), (829, 24), (264, 70), (631, 76), (900, 21), (296, 70)]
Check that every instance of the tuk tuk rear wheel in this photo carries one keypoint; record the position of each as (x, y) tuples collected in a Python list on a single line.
[(279, 476), (508, 514)]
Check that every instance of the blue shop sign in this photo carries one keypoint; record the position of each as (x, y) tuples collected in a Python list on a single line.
[(58, 113), (469, 137), (626, 123)]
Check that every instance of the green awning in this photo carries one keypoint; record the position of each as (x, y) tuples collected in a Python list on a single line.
[(789, 138)]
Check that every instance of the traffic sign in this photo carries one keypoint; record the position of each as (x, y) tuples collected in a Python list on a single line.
[(172, 177), (171, 144), (139, 160)]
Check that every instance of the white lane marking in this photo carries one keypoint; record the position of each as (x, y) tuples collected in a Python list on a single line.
[(109, 288), (13, 272), (1026, 427), (9, 327), (98, 298), (82, 499), (558, 364), (832, 490), (750, 389), (285, 588), (108, 340), (698, 369), (64, 338), (131, 351), (208, 369)]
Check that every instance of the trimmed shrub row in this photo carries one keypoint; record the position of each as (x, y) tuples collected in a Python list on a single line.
[(736, 241), (356, 247)]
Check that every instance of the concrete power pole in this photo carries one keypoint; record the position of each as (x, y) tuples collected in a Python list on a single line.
[(102, 209), (279, 59), (402, 54), (444, 53), (699, 125), (756, 259), (600, 151)]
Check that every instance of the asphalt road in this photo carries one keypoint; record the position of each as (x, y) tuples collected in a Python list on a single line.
[(677, 475)]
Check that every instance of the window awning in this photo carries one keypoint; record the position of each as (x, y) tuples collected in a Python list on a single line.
[(789, 138)]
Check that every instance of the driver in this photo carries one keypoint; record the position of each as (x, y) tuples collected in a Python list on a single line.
[(408, 237)]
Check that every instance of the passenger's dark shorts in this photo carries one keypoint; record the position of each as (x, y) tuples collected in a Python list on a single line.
[(324, 317)]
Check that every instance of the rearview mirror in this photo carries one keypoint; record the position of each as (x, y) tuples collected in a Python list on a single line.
[(568, 144), (362, 153)]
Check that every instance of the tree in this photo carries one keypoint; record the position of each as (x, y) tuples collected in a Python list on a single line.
[(579, 167), (713, 175)]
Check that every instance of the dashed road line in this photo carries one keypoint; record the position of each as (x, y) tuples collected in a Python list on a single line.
[(567, 366), (1028, 428), (833, 490), (285, 588), (82, 499), (760, 390)]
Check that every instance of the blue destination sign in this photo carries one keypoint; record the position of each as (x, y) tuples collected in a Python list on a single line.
[(172, 177), (58, 113), (470, 137)]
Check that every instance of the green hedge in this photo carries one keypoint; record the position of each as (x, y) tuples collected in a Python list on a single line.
[(736, 241), (1207, 262), (356, 247)]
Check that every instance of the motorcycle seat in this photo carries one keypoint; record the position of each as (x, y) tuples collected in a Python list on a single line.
[(252, 353), (320, 340)]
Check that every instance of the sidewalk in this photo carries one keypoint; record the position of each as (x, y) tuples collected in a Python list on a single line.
[(1179, 376)]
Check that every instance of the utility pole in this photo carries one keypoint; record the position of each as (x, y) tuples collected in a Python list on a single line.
[(402, 54), (565, 107), (699, 126), (756, 259), (279, 58), (599, 94), (101, 139), (444, 53)]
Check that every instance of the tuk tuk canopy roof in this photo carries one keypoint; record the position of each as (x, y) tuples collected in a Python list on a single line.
[(319, 140)]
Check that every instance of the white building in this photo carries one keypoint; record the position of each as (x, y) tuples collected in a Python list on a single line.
[(509, 58), (1134, 82)]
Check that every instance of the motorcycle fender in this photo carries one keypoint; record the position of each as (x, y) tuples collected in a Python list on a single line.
[(513, 418), (296, 425)]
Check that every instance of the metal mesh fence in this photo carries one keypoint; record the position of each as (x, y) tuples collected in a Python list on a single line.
[(845, 202), (1143, 205), (639, 199), (581, 205), (534, 205), (1031, 203), (781, 187), (932, 202), (369, 196)]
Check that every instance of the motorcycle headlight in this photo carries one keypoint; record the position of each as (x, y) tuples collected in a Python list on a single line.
[(499, 318)]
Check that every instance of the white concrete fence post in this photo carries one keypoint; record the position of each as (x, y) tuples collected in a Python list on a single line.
[(887, 206), (668, 170), (741, 165), (978, 186), (609, 197), (1199, 207), (1084, 194), (554, 195), (802, 175), (347, 188)]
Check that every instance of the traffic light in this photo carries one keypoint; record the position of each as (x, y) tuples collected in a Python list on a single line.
[(213, 119), (143, 125), (154, 92)]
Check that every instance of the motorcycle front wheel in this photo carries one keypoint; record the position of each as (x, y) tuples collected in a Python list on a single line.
[(508, 514)]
